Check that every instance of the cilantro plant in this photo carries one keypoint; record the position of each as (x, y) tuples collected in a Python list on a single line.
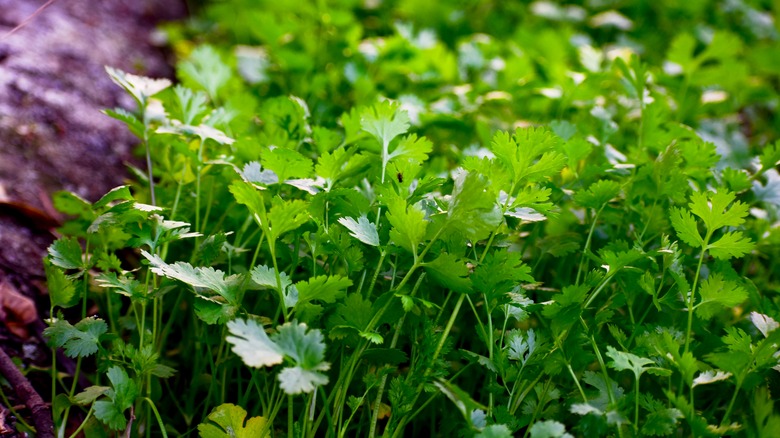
[(364, 219)]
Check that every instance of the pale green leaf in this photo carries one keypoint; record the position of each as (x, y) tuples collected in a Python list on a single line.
[(252, 344), (361, 229)]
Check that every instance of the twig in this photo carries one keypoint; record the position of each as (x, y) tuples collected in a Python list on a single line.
[(28, 19), (41, 414)]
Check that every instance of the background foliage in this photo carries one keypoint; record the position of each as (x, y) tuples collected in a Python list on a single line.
[(559, 219)]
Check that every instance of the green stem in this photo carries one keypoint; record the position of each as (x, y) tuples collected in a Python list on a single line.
[(692, 296), (290, 421), (380, 391), (157, 415), (587, 244)]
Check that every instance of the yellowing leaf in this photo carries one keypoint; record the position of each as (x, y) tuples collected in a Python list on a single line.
[(228, 421)]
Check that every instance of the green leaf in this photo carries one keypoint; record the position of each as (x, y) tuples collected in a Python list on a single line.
[(72, 204), (190, 105), (80, 340), (472, 208), (202, 279), (408, 222), (286, 163), (598, 194), (714, 209), (352, 316), (66, 253), (140, 87), (307, 350), (770, 156), (385, 121), (661, 419), (549, 429), (717, 293), (449, 272), (731, 245), (121, 397), (221, 291), (62, 291), (495, 431), (322, 288), (121, 194), (89, 395), (229, 421), (412, 148), (566, 308), (361, 229), (132, 122), (500, 273), (685, 225), (205, 68), (252, 344), (265, 277), (286, 216), (530, 155), (127, 286), (623, 361), (247, 194), (462, 400)]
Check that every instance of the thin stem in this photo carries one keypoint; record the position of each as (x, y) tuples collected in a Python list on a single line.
[(692, 296), (157, 415), (587, 244), (380, 391)]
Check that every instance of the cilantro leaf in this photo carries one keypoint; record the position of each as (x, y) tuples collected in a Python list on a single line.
[(472, 208), (361, 229), (710, 376), (630, 362), (598, 194), (714, 209), (121, 397), (123, 285), (286, 216), (286, 163), (412, 148), (307, 350), (80, 340), (385, 121), (730, 245), (140, 87), (206, 69), (66, 253), (717, 293), (322, 288), (450, 272), (221, 292), (770, 156), (62, 291), (549, 429), (494, 431), (685, 225), (765, 324), (408, 222), (252, 344), (229, 421)]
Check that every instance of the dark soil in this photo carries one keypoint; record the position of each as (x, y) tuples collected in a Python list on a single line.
[(54, 137)]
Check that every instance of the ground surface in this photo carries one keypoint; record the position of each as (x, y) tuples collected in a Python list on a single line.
[(53, 136)]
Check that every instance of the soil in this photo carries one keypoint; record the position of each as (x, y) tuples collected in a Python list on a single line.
[(53, 137)]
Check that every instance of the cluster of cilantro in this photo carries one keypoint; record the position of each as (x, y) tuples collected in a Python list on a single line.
[(351, 223)]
